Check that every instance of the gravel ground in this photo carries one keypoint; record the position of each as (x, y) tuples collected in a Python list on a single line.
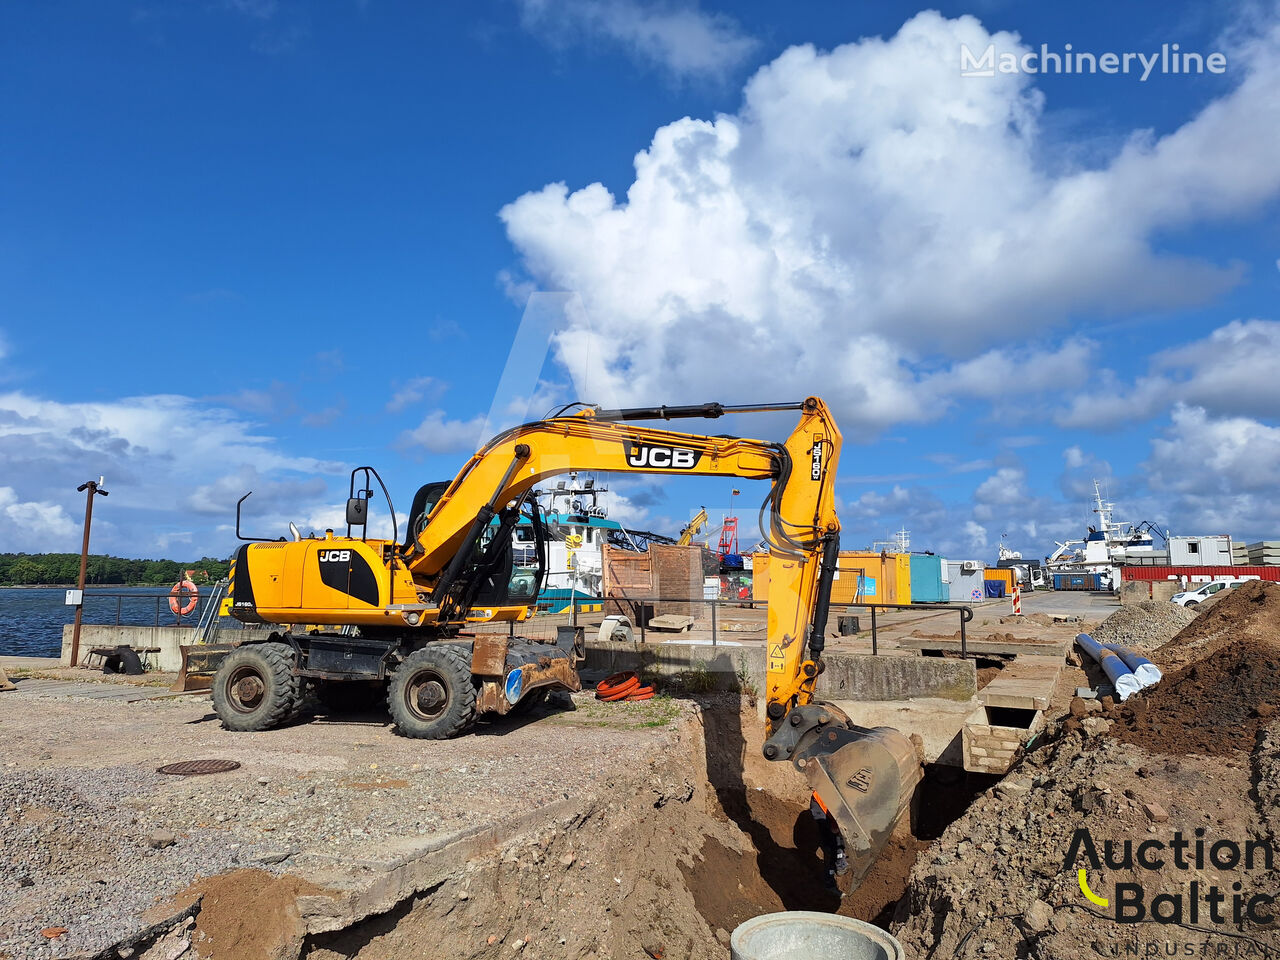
[(1144, 625), (82, 852), (92, 836)]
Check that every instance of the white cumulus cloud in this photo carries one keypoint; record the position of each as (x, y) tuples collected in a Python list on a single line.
[(32, 525), (678, 38), (1231, 371), (872, 226), (165, 459), (437, 433)]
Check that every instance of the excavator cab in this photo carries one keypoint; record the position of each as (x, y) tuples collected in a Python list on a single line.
[(503, 573)]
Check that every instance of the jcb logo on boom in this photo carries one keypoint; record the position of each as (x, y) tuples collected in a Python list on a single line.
[(661, 458), (335, 556)]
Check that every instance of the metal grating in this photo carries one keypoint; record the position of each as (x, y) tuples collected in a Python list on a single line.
[(194, 768)]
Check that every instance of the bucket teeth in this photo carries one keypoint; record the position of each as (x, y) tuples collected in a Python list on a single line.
[(866, 779)]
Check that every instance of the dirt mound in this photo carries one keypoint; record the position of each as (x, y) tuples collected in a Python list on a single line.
[(1250, 611), (995, 883), (1212, 707), (1039, 619), (249, 914), (1144, 625), (665, 862)]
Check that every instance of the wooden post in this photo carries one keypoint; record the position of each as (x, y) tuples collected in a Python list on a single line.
[(92, 486)]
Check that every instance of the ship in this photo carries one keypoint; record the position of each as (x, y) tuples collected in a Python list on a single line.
[(1107, 545), (577, 528)]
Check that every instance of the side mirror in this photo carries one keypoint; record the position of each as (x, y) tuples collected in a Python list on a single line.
[(357, 512)]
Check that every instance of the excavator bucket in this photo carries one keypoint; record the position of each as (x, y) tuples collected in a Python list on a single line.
[(199, 663), (865, 778)]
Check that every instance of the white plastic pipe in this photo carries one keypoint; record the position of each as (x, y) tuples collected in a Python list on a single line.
[(1121, 677)]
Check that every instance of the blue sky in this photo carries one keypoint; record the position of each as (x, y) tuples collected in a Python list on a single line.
[(254, 243)]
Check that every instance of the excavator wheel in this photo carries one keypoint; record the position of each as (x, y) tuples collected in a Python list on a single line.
[(431, 695), (255, 687)]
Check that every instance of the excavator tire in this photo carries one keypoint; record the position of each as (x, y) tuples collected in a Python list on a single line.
[(255, 687), (431, 695)]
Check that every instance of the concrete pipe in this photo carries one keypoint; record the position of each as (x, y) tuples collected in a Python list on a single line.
[(808, 935)]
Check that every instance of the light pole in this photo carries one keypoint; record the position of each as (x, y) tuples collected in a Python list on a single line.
[(93, 486)]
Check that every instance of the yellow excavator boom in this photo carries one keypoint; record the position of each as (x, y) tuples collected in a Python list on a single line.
[(801, 523), (689, 532)]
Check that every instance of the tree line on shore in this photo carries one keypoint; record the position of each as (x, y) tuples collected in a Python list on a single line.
[(25, 569)]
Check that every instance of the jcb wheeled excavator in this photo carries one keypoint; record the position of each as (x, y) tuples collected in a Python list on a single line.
[(383, 612)]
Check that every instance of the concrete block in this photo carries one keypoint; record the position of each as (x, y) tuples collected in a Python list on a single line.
[(864, 677), (726, 664), (997, 747), (168, 639), (1002, 648), (1025, 684)]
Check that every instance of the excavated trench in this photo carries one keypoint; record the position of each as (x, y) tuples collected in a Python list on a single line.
[(672, 852), (663, 863)]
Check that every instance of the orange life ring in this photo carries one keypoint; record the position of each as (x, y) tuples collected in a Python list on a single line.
[(193, 596)]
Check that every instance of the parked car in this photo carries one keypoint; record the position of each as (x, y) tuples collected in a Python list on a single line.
[(1191, 598)]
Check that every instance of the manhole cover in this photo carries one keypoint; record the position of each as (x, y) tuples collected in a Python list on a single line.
[(192, 768)]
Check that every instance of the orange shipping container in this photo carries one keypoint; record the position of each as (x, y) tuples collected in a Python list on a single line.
[(1000, 573), (861, 577)]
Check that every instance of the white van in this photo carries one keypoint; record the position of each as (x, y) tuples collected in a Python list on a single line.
[(1191, 598)]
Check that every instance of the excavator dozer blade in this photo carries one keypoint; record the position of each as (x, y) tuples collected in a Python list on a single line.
[(199, 663), (866, 778)]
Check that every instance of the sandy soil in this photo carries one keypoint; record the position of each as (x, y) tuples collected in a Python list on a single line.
[(1194, 756)]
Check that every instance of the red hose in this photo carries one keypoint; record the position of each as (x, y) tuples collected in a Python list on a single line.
[(622, 686), (607, 688)]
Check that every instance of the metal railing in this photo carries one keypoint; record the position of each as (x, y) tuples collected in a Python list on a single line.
[(135, 609), (636, 608), (964, 610), (710, 616)]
